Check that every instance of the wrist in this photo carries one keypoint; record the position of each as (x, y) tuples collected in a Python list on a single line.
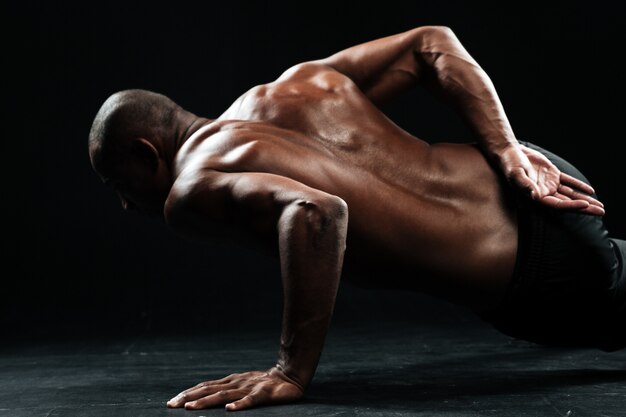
[(499, 144), (279, 371), (500, 152)]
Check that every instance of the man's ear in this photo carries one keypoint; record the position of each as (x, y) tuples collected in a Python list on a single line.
[(145, 151)]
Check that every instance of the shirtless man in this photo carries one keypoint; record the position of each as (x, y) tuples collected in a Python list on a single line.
[(308, 168)]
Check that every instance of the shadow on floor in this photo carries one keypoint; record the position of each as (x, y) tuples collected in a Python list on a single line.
[(475, 377)]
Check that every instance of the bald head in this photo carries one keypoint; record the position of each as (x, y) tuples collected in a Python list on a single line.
[(126, 115)]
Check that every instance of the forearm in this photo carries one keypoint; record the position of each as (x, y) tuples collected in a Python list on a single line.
[(453, 74), (311, 243)]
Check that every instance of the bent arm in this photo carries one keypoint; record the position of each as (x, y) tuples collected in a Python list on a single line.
[(434, 57), (310, 228)]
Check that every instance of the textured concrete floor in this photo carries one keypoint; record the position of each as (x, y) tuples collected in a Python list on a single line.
[(374, 368)]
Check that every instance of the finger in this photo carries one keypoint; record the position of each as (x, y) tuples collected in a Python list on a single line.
[(199, 391), (576, 183), (218, 398), (178, 401), (221, 381), (576, 195), (224, 380), (561, 202), (246, 402), (594, 210)]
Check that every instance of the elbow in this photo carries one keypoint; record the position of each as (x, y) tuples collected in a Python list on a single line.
[(437, 31), (435, 39), (435, 42), (317, 218), (321, 211), (335, 207)]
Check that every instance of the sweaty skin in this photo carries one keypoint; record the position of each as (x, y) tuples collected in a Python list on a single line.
[(309, 169)]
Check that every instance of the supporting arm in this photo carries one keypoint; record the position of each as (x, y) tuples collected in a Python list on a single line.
[(310, 227), (311, 242)]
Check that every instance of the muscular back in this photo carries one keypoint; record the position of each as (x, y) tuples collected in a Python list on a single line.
[(428, 217)]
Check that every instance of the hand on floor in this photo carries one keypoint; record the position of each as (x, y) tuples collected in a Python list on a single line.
[(240, 391)]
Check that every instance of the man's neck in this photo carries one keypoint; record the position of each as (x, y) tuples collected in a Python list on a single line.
[(188, 128)]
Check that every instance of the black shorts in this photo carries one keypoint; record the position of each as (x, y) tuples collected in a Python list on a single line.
[(569, 282)]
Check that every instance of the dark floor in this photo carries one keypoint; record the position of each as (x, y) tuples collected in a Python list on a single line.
[(451, 366)]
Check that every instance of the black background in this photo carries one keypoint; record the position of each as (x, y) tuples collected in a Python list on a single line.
[(76, 263)]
